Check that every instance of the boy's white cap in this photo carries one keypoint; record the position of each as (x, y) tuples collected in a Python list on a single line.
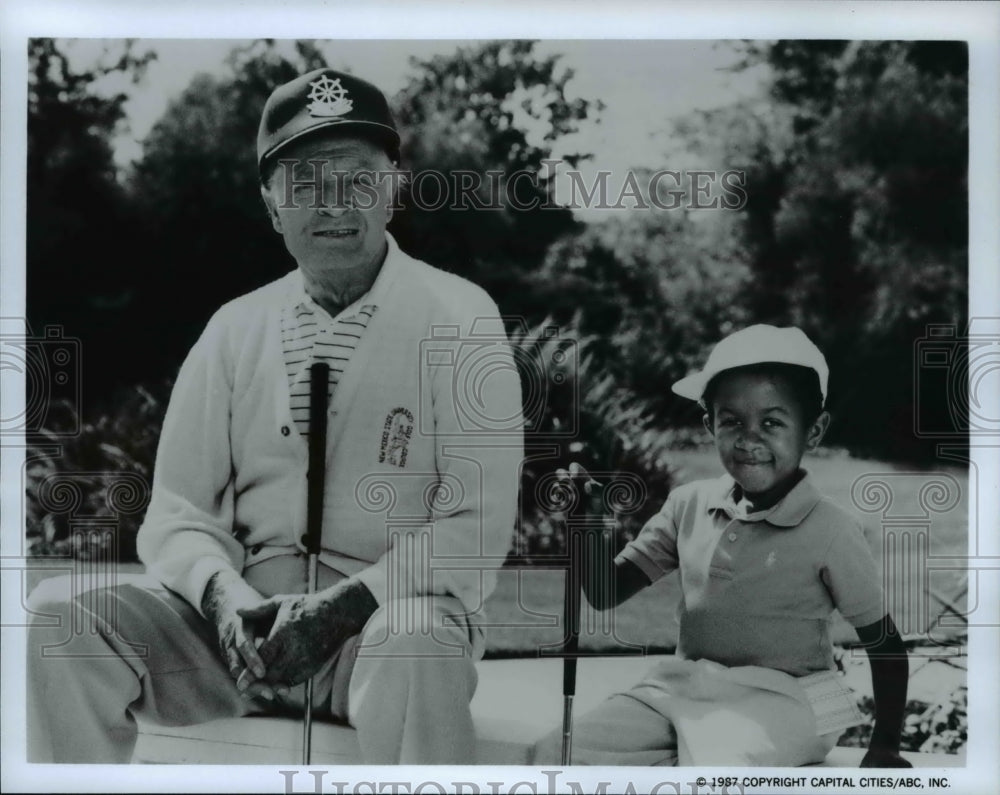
[(756, 345)]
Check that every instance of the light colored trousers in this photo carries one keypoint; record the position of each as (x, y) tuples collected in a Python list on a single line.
[(99, 656), (619, 731), (624, 731), (698, 712)]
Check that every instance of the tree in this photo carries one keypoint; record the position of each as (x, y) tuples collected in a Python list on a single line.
[(81, 274), (493, 109), (197, 191), (653, 289), (856, 224)]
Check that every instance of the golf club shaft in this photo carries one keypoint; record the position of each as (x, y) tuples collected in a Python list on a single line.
[(571, 607), (567, 733), (307, 720), (319, 385)]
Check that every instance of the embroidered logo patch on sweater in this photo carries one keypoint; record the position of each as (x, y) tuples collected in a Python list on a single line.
[(396, 434)]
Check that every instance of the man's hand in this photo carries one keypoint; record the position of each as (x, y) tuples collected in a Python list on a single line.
[(226, 594), (306, 630), (883, 757)]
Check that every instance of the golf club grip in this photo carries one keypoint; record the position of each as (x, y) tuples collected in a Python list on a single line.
[(569, 676), (319, 387), (572, 610)]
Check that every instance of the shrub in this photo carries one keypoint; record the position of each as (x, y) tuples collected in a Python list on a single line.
[(940, 727), (87, 491), (588, 419)]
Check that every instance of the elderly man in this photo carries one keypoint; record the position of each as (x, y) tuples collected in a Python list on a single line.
[(420, 490)]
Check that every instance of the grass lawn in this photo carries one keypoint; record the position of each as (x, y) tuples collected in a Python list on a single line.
[(524, 613)]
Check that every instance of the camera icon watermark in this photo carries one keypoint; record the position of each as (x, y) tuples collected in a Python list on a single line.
[(481, 371), (604, 496), (957, 380), (922, 534), (49, 367), (423, 561)]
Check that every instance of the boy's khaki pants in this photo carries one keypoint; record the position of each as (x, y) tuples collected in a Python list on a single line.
[(99, 656)]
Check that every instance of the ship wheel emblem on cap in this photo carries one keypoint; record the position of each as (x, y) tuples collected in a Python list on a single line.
[(329, 98)]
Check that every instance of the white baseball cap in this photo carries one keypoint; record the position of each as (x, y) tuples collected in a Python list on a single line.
[(757, 345)]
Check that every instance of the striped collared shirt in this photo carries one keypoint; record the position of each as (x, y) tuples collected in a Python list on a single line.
[(309, 334)]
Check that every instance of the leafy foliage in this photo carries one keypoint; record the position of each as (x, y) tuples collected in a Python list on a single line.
[(651, 290), (856, 224), (81, 273), (100, 477), (587, 419), (491, 109)]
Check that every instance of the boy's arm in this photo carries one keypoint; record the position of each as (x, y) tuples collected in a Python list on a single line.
[(890, 674), (609, 583)]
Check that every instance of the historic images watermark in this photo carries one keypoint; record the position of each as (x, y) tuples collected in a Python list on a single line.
[(314, 185)]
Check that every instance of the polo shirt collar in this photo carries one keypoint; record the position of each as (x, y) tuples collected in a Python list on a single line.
[(789, 512), (296, 295)]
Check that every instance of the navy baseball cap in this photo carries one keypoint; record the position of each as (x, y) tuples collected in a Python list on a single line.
[(324, 100)]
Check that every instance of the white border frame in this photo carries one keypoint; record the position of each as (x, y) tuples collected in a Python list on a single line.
[(976, 23)]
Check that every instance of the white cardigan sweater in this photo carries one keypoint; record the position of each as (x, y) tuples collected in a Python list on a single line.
[(433, 516)]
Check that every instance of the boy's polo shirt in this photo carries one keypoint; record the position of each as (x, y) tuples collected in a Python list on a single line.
[(760, 588)]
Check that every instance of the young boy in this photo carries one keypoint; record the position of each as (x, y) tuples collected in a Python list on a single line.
[(763, 561)]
